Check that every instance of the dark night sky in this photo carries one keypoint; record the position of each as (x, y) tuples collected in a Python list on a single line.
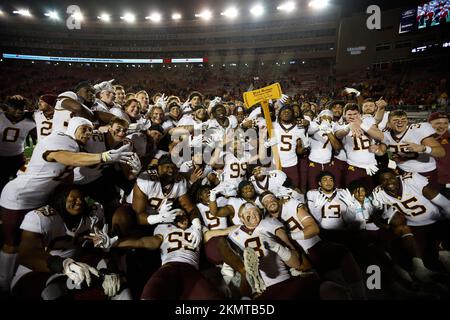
[(187, 7)]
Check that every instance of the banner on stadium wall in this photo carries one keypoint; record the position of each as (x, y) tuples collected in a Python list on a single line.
[(101, 60)]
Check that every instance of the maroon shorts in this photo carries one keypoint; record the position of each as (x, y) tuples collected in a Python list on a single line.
[(428, 239), (9, 167), (179, 281), (212, 252), (302, 166), (293, 175), (338, 171), (352, 173), (305, 287), (12, 220), (314, 169)]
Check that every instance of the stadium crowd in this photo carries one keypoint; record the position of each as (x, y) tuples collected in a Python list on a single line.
[(180, 195)]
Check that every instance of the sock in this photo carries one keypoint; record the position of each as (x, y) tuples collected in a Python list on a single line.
[(7, 268)]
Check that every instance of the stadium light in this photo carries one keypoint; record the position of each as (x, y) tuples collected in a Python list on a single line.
[(205, 15), (155, 17), (104, 17), (52, 15), (128, 17), (257, 10), (287, 6), (231, 13), (1, 13), (176, 16), (318, 4), (23, 12)]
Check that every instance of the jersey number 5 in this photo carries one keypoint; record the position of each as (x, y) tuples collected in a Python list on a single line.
[(286, 141)]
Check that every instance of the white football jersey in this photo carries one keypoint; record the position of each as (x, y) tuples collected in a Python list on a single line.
[(176, 246), (357, 149), (273, 269), (58, 240), (62, 116), (30, 189), (210, 221), (118, 112), (234, 170), (169, 123), (272, 181), (43, 125), (13, 135), (383, 124), (148, 182), (96, 144), (287, 142), (236, 203), (289, 217), (188, 120), (418, 210), (321, 149), (139, 141), (232, 124), (99, 105), (340, 155), (415, 133), (334, 214)]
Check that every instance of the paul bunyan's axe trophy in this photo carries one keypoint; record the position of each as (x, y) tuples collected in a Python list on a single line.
[(263, 96)]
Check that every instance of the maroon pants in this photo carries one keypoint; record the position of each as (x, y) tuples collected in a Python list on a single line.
[(11, 225), (314, 169), (352, 173), (31, 286), (338, 171), (212, 250), (296, 288), (293, 175), (428, 238), (9, 167), (179, 281), (302, 166)]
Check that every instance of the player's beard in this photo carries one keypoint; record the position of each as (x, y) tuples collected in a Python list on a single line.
[(167, 179)]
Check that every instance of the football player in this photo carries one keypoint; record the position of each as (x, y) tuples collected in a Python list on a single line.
[(359, 147), (51, 164), (14, 130), (422, 213), (44, 115), (323, 145), (178, 277), (413, 146), (54, 263)]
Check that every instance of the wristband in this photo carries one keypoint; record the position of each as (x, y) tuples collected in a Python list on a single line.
[(427, 150)]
